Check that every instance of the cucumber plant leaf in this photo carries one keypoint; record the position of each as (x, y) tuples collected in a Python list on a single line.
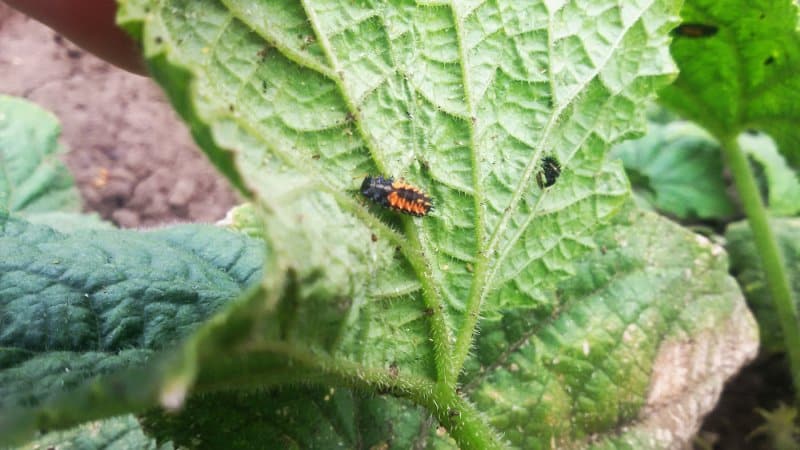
[(746, 266), (33, 179), (297, 101), (745, 75), (677, 168), (634, 321), (780, 181)]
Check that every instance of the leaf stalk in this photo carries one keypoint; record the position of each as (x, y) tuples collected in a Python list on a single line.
[(769, 253)]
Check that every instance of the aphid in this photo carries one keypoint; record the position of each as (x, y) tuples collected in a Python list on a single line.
[(397, 195), (695, 30), (549, 173)]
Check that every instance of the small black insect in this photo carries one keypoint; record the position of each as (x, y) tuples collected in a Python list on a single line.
[(549, 173), (695, 30), (397, 195)]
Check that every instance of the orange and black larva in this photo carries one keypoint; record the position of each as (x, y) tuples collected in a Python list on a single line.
[(397, 195)]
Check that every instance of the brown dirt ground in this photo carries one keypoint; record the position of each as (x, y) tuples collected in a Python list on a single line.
[(133, 160)]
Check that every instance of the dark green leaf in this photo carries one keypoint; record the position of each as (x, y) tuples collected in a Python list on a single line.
[(678, 168), (746, 75)]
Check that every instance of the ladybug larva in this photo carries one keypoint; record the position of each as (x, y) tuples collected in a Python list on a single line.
[(397, 195), (549, 172)]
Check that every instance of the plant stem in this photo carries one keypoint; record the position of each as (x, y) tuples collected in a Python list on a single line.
[(461, 419), (768, 251)]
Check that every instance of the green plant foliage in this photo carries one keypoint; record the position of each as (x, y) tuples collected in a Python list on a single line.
[(117, 433), (76, 305), (33, 179), (678, 169), (782, 185), (746, 266), (745, 76), (538, 380), (297, 102)]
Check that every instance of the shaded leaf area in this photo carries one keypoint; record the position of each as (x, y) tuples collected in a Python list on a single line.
[(122, 432), (780, 182), (744, 76), (654, 301), (73, 306), (293, 418), (677, 168), (32, 179), (746, 267)]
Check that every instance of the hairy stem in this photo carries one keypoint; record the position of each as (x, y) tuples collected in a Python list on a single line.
[(462, 421), (768, 251)]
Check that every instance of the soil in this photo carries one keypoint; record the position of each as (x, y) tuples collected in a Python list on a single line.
[(133, 159), (136, 165)]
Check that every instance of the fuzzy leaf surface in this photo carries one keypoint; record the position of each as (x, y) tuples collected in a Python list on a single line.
[(32, 179), (77, 305), (632, 323), (746, 75), (651, 305), (461, 99)]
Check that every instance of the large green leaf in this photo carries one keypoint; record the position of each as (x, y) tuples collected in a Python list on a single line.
[(32, 179), (744, 75), (746, 266), (296, 102), (463, 100), (678, 168), (76, 305)]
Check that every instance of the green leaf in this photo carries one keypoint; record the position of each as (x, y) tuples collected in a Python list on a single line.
[(746, 266), (744, 76), (782, 185), (296, 418), (296, 102), (625, 362), (462, 101), (120, 432), (73, 306), (32, 179), (678, 168)]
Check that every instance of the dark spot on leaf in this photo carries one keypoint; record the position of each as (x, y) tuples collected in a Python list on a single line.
[(374, 237), (316, 156), (769, 60), (695, 30), (231, 108), (159, 40), (762, 16), (264, 52)]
